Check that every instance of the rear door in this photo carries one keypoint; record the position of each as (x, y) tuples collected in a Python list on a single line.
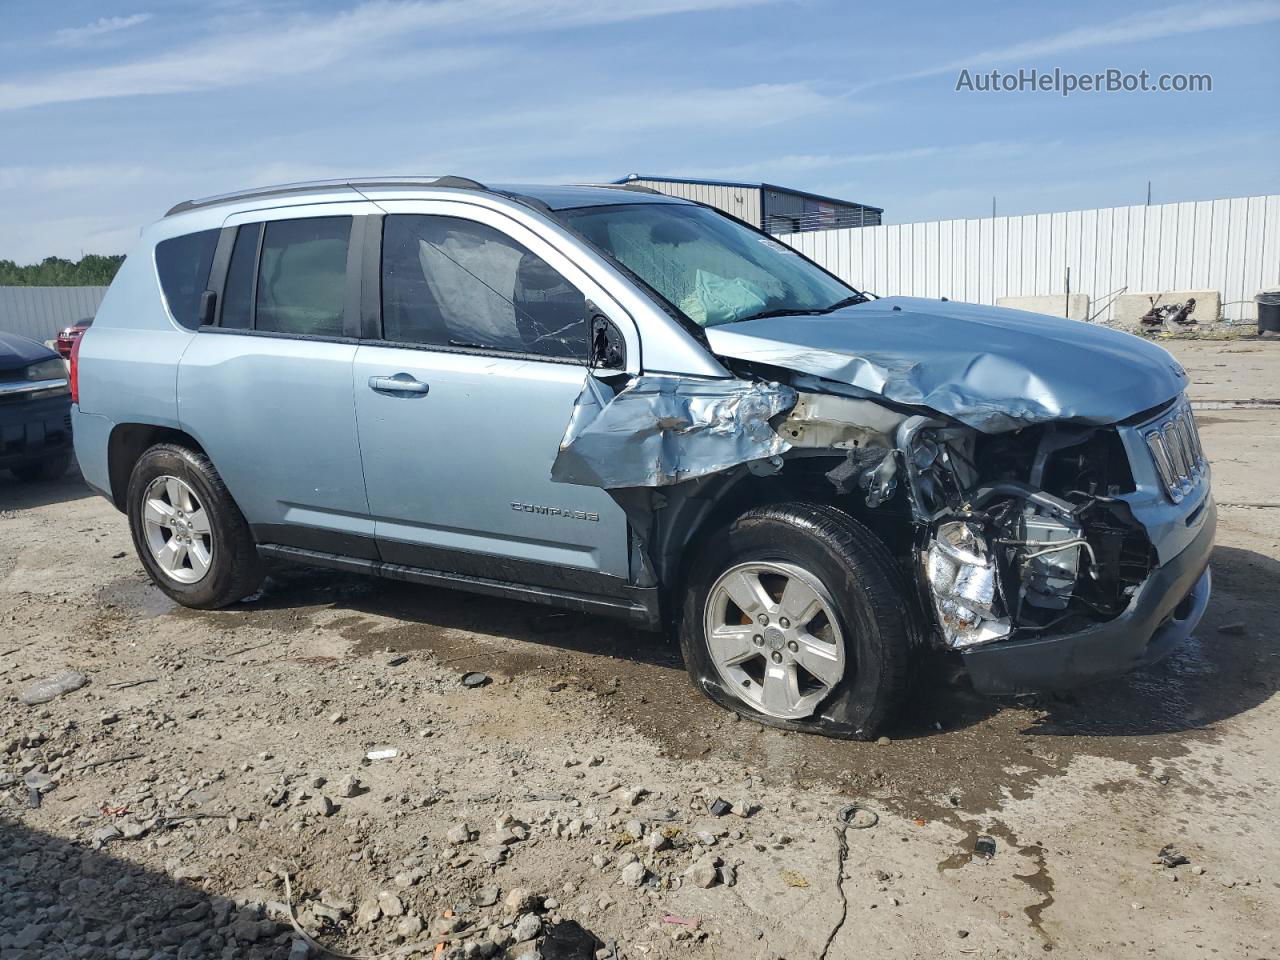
[(463, 402), (266, 388)]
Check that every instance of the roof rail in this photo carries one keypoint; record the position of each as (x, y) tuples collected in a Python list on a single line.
[(285, 189)]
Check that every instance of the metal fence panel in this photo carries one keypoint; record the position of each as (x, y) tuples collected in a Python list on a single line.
[(1230, 245), (40, 312)]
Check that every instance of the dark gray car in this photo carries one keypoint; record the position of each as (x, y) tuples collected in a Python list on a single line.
[(35, 410)]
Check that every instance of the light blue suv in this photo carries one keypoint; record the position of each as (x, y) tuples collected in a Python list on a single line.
[(619, 402)]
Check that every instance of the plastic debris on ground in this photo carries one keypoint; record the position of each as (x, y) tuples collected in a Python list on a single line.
[(50, 688)]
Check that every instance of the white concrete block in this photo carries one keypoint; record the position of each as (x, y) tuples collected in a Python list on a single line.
[(1073, 306), (1129, 307)]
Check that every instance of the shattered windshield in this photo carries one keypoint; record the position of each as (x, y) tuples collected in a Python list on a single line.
[(712, 269)]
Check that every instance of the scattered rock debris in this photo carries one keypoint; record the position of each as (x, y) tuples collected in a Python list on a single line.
[(194, 807), (1169, 857)]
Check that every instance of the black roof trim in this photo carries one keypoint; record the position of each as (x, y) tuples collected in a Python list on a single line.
[(288, 189)]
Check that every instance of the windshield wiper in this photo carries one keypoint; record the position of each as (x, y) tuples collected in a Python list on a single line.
[(846, 302), (792, 312)]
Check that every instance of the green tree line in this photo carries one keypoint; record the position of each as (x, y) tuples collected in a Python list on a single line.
[(93, 270)]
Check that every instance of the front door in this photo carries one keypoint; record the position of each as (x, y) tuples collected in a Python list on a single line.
[(462, 404)]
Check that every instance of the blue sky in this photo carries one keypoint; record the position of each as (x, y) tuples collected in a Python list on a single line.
[(110, 112)]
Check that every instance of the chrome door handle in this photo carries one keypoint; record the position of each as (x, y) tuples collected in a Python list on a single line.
[(400, 383)]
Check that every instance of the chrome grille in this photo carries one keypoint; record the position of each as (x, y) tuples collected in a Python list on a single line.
[(1175, 448)]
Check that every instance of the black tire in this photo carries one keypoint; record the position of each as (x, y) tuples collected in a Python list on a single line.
[(43, 471), (236, 570), (877, 612)]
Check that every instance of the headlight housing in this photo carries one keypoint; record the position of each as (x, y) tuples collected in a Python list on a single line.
[(962, 582), (51, 369)]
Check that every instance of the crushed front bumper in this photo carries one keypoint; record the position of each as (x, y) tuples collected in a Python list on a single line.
[(1164, 611)]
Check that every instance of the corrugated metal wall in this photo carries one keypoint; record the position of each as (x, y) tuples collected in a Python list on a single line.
[(786, 212), (40, 312), (1232, 246), (742, 202)]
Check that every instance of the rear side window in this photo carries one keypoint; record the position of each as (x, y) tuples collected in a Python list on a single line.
[(183, 265), (237, 295), (453, 282), (302, 276), (288, 276)]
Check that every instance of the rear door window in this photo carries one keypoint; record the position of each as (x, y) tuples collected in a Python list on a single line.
[(453, 282), (302, 276), (183, 266), (237, 293), (288, 276)]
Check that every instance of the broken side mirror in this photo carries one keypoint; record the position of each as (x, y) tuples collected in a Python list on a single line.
[(608, 349)]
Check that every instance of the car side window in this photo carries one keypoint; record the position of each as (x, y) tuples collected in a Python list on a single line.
[(302, 276), (183, 265), (453, 282), (288, 276), (237, 293)]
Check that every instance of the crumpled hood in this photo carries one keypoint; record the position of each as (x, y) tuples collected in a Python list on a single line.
[(991, 368), (18, 352)]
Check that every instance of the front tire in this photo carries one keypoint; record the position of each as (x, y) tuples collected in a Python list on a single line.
[(188, 532), (797, 616)]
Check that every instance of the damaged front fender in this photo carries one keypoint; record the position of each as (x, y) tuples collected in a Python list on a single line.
[(662, 430)]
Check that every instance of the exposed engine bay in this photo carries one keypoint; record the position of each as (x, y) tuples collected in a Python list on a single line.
[(1016, 533), (1010, 532)]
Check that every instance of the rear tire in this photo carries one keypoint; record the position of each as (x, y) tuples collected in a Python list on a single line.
[(47, 470), (859, 643), (188, 532)]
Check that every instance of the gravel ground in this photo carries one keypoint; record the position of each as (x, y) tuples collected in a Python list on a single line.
[(574, 805)]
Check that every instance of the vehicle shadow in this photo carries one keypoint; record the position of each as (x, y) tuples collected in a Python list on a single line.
[(438, 619), (16, 494), (1230, 666), (65, 899), (68, 900), (1217, 674)]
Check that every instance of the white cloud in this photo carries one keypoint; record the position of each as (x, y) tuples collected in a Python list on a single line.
[(27, 179), (778, 169), (737, 108), (309, 44), (1158, 24), (71, 36)]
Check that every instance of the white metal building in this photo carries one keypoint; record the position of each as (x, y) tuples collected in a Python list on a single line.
[(1229, 246), (765, 205)]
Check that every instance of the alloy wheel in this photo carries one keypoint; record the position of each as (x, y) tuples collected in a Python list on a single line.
[(773, 637), (177, 529)]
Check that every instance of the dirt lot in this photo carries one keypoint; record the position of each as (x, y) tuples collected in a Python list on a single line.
[(562, 809)]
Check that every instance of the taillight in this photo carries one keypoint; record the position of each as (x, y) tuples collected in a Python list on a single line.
[(74, 375)]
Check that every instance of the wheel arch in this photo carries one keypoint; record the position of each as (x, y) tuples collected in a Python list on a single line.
[(128, 442), (695, 511)]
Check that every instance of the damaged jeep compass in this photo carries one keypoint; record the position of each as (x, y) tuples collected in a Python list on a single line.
[(624, 403)]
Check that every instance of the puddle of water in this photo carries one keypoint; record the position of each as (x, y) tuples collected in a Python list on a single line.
[(137, 598), (1042, 883)]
